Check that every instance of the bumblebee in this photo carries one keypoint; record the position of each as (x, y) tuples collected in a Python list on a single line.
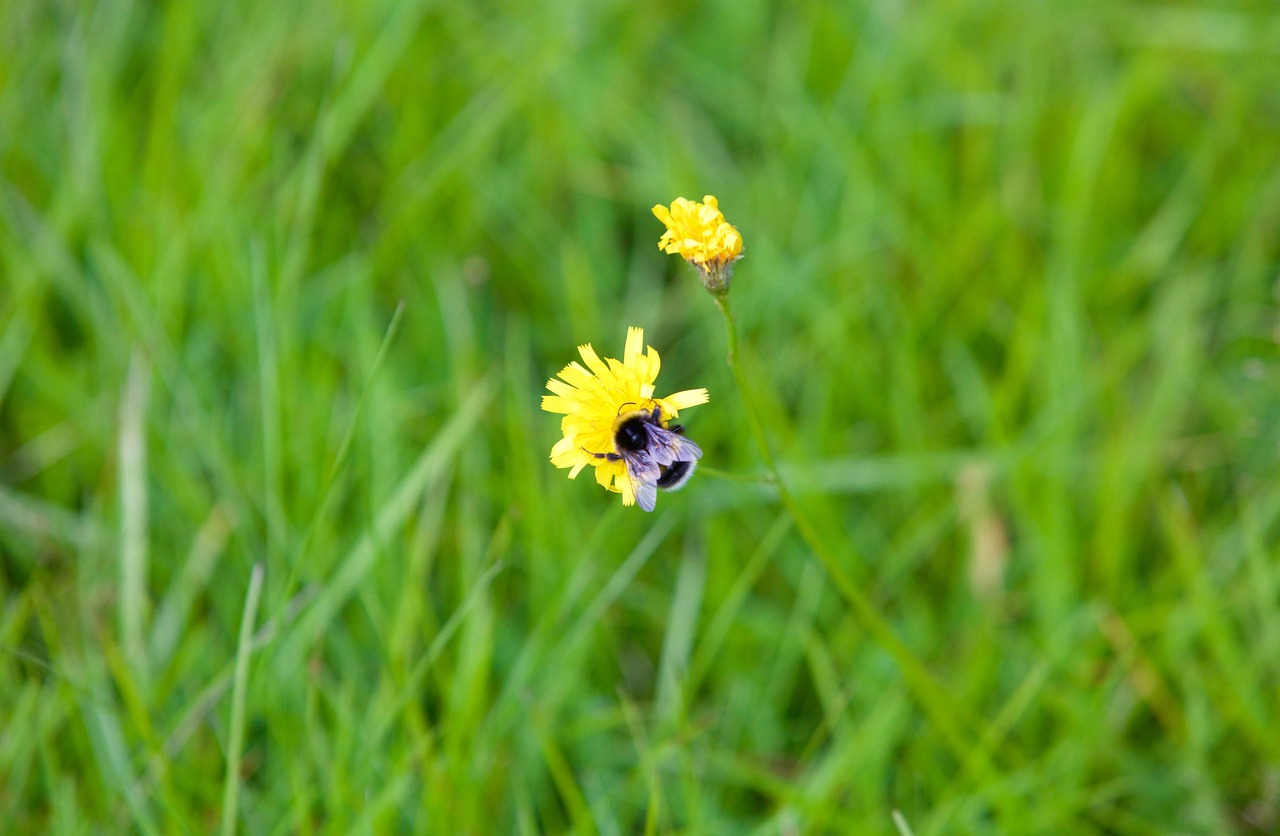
[(655, 456)]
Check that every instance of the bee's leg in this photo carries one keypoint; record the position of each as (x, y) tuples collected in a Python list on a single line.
[(613, 457)]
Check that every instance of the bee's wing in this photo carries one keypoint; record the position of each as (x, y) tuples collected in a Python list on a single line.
[(686, 450), (646, 492), (667, 447), (643, 471)]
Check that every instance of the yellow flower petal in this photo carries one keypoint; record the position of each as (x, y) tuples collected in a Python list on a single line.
[(552, 403), (654, 363), (635, 342), (688, 398), (560, 387), (592, 359), (574, 374)]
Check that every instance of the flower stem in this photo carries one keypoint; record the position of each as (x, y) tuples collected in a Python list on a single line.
[(926, 689)]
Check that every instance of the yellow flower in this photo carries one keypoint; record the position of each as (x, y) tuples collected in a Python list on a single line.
[(595, 399), (699, 234)]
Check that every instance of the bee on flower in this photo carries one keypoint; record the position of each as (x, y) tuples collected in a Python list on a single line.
[(699, 234), (613, 422)]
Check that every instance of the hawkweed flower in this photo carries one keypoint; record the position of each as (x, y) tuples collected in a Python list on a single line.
[(699, 234), (608, 401)]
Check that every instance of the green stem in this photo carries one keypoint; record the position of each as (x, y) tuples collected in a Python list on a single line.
[(926, 689)]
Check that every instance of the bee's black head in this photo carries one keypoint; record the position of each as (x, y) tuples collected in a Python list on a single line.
[(631, 434)]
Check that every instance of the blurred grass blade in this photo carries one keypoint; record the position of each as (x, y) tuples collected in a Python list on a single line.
[(383, 718), (175, 609), (133, 517), (110, 749), (240, 686), (344, 448), (13, 345), (680, 633), (38, 520), (268, 351), (429, 466)]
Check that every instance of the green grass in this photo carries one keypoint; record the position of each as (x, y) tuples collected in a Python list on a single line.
[(280, 286)]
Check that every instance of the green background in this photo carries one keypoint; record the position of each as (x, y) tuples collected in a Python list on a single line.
[(280, 285)]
